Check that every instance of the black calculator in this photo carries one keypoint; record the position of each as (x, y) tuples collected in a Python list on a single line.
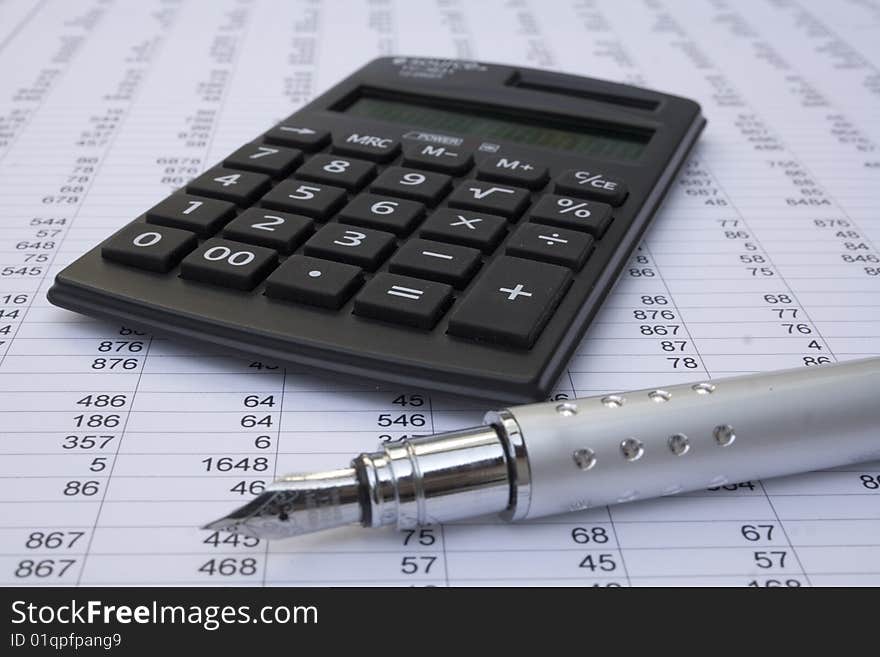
[(435, 223)]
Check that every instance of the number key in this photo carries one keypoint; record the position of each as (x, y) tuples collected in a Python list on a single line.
[(308, 198), (357, 246), (411, 183), (240, 187), (277, 230), (348, 173), (156, 248), (275, 161), (227, 263), (200, 215), (392, 214)]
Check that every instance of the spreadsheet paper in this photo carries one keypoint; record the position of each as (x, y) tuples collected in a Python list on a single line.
[(115, 446)]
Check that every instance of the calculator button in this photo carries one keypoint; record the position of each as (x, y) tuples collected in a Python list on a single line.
[(277, 230), (240, 187), (514, 171), (201, 215), (403, 300), (392, 214), (573, 213), (380, 148), (298, 136), (227, 263), (511, 302), (555, 245), (303, 197), (436, 261), (489, 197), (357, 246), (410, 183), (275, 161), (592, 184), (156, 248), (335, 170), (444, 159), (317, 282), (481, 231)]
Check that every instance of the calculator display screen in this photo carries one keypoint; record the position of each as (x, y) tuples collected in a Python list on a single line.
[(598, 142)]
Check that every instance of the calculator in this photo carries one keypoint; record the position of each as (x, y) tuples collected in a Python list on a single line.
[(432, 223)]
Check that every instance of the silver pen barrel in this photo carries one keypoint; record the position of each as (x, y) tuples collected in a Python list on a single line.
[(570, 455), (619, 448)]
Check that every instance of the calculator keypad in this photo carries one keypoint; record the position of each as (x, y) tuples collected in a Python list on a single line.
[(336, 215), (227, 263)]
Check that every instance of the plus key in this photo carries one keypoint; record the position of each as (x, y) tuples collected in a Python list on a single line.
[(511, 302)]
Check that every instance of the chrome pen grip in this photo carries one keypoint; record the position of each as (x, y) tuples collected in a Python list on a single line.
[(584, 453)]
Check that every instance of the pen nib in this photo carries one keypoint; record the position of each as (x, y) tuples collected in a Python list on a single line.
[(297, 504)]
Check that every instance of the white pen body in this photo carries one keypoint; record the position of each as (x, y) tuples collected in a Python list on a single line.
[(591, 452)]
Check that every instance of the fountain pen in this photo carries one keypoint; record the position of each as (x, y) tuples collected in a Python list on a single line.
[(569, 455)]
